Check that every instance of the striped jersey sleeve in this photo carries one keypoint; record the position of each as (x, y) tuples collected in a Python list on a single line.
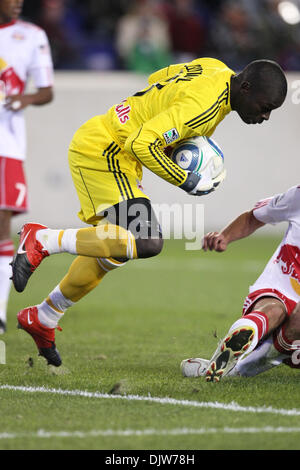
[(147, 145)]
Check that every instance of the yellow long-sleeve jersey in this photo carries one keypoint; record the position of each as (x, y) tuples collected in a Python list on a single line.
[(182, 100)]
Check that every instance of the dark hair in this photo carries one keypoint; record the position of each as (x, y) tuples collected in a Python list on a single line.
[(266, 76)]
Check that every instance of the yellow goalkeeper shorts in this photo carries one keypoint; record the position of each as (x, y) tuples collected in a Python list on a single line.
[(103, 173)]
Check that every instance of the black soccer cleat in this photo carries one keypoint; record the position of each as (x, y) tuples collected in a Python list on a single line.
[(51, 355), (29, 255)]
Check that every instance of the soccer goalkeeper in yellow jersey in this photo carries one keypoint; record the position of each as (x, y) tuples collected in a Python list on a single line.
[(106, 157)]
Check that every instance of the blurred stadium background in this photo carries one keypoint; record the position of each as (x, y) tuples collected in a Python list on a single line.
[(104, 51)]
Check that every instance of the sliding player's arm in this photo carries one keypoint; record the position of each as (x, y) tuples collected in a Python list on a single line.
[(241, 227), (279, 208)]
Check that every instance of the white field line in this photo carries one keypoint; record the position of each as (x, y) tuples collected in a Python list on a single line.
[(163, 401), (41, 433)]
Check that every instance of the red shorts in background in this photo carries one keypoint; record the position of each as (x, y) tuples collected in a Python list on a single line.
[(13, 188)]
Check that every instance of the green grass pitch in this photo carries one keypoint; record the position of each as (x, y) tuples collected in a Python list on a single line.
[(127, 338)]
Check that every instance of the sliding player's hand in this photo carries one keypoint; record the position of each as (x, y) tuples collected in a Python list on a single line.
[(214, 241)]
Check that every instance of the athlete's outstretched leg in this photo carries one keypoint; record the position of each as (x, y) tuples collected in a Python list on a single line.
[(38, 242), (128, 231), (282, 346), (86, 271), (261, 318), (243, 336)]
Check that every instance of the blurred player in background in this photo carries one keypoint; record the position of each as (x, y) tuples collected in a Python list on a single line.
[(106, 157), (271, 322), (24, 52)]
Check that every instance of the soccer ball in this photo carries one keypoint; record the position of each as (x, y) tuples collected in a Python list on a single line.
[(201, 155)]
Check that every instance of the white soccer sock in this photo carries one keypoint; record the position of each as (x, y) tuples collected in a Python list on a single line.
[(58, 241), (5, 284), (6, 256), (49, 316), (244, 322)]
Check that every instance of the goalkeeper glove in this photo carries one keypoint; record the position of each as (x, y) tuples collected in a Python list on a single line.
[(201, 185)]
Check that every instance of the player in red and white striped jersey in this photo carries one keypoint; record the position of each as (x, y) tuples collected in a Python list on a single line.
[(272, 298), (24, 53)]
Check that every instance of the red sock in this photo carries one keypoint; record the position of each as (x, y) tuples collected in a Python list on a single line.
[(282, 343), (262, 322)]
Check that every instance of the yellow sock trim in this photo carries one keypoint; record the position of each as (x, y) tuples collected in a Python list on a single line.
[(60, 235), (50, 303)]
